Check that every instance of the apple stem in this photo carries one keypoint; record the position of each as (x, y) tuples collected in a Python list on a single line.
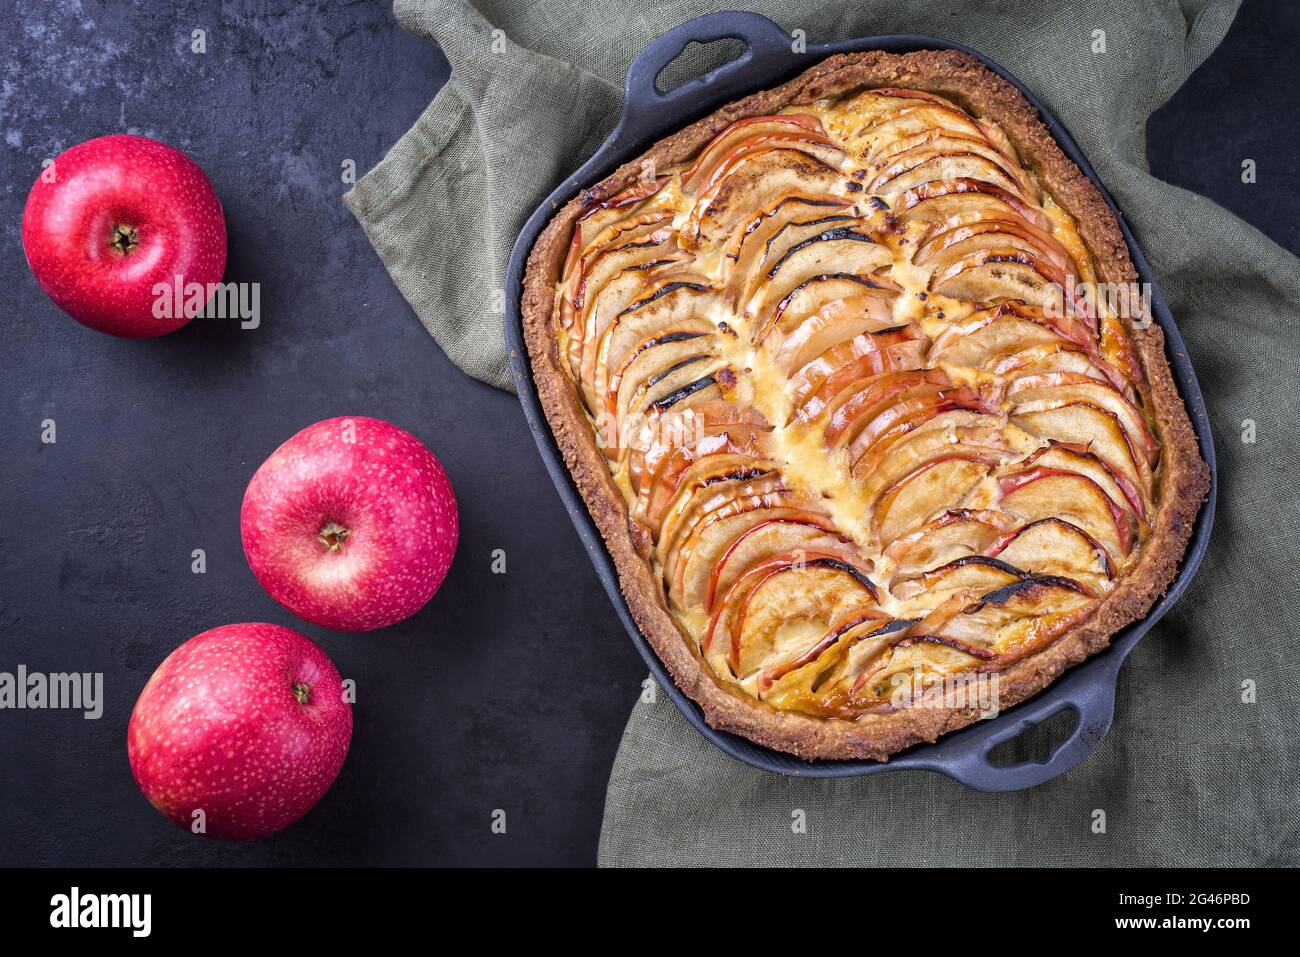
[(332, 536), (301, 691), (123, 238)]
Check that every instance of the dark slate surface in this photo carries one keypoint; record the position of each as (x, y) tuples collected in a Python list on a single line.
[(507, 691)]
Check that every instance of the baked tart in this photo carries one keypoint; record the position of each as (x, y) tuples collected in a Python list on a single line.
[(857, 381)]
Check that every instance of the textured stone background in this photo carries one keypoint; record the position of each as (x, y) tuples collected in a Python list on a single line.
[(506, 691)]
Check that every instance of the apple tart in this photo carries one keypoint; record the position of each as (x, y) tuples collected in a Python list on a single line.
[(842, 376)]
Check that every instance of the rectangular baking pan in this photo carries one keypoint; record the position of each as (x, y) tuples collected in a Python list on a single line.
[(770, 58)]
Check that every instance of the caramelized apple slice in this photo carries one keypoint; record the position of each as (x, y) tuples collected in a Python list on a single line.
[(814, 387), (1081, 423), (948, 242), (999, 273), (1067, 457), (743, 133), (648, 362), (677, 302), (907, 414), (1020, 618), (848, 411), (756, 183), (978, 573), (601, 304), (602, 214), (714, 479), (834, 252), (952, 535), (773, 536), (985, 443), (1044, 493), (839, 323), (656, 496), (945, 166), (797, 675), (921, 149), (941, 200), (690, 561), (937, 486), (777, 601), (1039, 393), (749, 241), (645, 227), (832, 295), (1052, 546)]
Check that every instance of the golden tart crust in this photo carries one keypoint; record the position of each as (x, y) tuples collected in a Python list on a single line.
[(804, 724)]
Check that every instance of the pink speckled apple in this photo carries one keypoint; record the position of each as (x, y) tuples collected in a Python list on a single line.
[(350, 524), (113, 220), (247, 724)]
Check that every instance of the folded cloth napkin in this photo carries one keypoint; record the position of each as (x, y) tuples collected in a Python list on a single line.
[(1202, 764)]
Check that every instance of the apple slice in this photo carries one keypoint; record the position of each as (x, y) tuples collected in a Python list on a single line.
[(1053, 546), (966, 196), (838, 669), (797, 675), (1043, 360), (1081, 423), (774, 598), (937, 486), (602, 303), (671, 302), (1000, 241), (645, 227), (650, 439), (794, 232), (629, 248), (831, 295), (985, 337), (998, 273), (984, 442), (836, 324), (1021, 618), (818, 382), (907, 119), (748, 242), (757, 183), (1044, 493), (1039, 393), (656, 496), (688, 567), (602, 214), (944, 166), (653, 356), (922, 148), (978, 573), (848, 410), (947, 242), (709, 483), (746, 133), (833, 253), (907, 414), (773, 536), (1068, 457), (950, 536)]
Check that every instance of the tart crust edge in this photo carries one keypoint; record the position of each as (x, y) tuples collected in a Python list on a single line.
[(1184, 480)]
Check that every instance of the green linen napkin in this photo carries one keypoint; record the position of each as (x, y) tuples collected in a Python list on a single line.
[(1201, 765)]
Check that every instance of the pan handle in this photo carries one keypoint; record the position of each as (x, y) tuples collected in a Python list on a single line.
[(1095, 707), (764, 41)]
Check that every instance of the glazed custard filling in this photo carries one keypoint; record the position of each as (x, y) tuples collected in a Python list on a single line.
[(869, 411)]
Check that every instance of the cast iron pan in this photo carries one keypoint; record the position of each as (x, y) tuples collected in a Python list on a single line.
[(649, 115)]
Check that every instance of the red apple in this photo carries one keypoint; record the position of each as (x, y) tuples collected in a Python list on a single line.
[(113, 221), (245, 723), (350, 524)]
